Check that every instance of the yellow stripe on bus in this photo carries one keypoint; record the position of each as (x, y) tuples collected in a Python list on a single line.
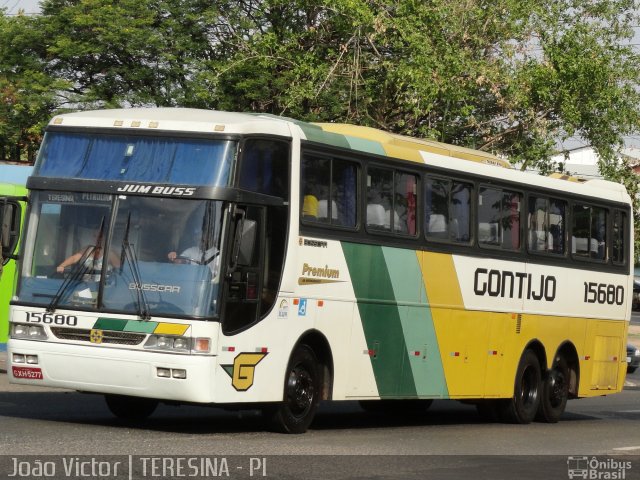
[(170, 329)]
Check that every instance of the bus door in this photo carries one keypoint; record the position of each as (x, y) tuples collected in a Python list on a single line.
[(243, 279)]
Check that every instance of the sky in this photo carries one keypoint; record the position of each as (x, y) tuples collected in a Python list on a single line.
[(12, 6)]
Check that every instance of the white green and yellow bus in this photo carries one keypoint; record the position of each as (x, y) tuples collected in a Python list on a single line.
[(257, 261)]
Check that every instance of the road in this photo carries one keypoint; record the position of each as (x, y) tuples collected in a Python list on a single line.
[(450, 441)]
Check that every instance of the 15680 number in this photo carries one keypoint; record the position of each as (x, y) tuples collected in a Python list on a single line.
[(603, 293), (50, 318)]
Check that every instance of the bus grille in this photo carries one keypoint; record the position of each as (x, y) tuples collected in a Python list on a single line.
[(84, 335)]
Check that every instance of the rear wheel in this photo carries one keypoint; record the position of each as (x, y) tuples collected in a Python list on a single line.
[(555, 392), (523, 406), (301, 394), (130, 408)]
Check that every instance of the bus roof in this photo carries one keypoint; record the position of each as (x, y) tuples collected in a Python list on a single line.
[(406, 148), (365, 139)]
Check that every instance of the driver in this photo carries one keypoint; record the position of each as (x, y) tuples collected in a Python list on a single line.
[(196, 254)]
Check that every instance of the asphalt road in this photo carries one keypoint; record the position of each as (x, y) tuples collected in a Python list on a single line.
[(449, 441)]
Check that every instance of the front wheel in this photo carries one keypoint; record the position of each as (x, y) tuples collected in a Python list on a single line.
[(130, 408), (523, 406), (555, 392), (301, 394)]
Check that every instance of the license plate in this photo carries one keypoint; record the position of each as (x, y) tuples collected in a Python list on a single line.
[(30, 373), (628, 359)]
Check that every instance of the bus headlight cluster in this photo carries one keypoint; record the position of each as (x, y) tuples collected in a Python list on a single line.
[(31, 332), (168, 343)]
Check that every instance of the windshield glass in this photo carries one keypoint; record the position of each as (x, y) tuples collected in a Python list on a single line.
[(163, 254), (185, 161)]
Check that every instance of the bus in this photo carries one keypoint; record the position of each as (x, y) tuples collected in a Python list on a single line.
[(12, 208), (253, 261)]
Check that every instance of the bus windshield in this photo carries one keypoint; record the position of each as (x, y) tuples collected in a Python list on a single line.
[(124, 254), (143, 158)]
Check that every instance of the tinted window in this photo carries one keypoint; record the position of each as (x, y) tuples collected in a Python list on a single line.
[(546, 225), (499, 218), (265, 167), (448, 210), (589, 232), (329, 191)]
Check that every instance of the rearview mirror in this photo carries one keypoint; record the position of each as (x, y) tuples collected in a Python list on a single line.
[(9, 228)]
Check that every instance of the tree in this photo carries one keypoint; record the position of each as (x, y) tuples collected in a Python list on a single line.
[(505, 76), (27, 92)]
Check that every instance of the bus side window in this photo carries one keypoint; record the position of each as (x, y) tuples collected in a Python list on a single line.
[(499, 218), (328, 191), (379, 201), (618, 253), (265, 167), (589, 232)]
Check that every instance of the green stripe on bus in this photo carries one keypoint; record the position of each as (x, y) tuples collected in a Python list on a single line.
[(315, 133), (365, 145), (140, 327), (380, 318), (423, 358), (114, 324)]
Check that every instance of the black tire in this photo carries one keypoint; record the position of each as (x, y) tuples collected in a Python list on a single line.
[(396, 407), (130, 408), (631, 369), (523, 406), (554, 392), (302, 391)]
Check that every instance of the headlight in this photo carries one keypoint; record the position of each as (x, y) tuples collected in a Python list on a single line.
[(168, 343), (32, 332), (637, 352)]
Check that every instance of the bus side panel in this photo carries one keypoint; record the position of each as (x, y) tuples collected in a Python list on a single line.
[(462, 335), (396, 321)]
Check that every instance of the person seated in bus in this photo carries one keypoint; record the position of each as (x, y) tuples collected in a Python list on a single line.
[(196, 255), (310, 202), (93, 257)]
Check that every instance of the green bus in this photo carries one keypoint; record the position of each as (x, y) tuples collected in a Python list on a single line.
[(13, 196)]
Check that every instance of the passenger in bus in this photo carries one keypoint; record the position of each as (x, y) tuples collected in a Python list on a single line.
[(310, 201)]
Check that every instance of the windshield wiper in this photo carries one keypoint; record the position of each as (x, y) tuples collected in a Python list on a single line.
[(129, 254), (79, 269)]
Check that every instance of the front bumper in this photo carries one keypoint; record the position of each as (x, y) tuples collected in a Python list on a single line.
[(113, 371)]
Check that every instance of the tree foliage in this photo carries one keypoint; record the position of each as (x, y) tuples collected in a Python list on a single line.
[(504, 76)]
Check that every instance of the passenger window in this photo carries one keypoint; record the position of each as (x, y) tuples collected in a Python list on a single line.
[(448, 210), (545, 225), (391, 201), (499, 218), (265, 167), (589, 232), (619, 237), (329, 191), (379, 199)]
